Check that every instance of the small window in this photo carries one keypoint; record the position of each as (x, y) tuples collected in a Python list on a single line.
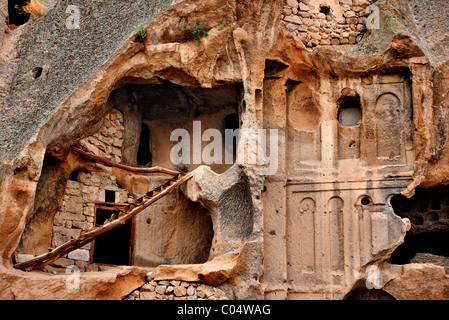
[(350, 112), (325, 9), (109, 196)]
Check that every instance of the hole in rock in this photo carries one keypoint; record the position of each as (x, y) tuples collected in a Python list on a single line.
[(325, 9), (291, 85), (16, 15), (37, 72), (273, 67), (73, 176), (365, 201), (429, 233)]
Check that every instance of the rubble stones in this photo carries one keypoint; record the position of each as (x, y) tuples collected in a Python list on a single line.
[(176, 290)]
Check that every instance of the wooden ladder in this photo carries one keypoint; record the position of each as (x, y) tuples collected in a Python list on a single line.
[(135, 208)]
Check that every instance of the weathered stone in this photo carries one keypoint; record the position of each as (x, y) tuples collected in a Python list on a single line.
[(291, 27), (191, 291), (63, 262), (293, 19), (160, 289), (292, 3), (146, 295), (307, 21), (180, 291), (287, 11), (303, 14), (169, 289), (148, 287), (149, 276), (352, 20), (175, 283), (349, 14), (303, 7), (79, 254)]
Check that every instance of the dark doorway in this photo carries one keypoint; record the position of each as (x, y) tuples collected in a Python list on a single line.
[(144, 157), (232, 122), (435, 243), (428, 212), (113, 247)]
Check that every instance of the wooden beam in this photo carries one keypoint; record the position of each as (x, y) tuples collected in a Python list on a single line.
[(122, 166)]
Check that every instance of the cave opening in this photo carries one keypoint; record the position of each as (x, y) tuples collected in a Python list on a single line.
[(16, 14), (325, 9), (176, 231), (155, 113), (428, 237)]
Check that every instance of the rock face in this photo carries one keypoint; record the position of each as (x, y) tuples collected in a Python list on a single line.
[(333, 189)]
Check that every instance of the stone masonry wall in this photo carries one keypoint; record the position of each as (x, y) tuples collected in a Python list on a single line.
[(326, 22), (175, 290), (77, 214)]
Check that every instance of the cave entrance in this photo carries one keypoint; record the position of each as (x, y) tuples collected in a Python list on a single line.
[(428, 237), (153, 112), (16, 14), (115, 246)]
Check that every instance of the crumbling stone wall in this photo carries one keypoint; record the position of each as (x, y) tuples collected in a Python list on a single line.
[(176, 290), (326, 22), (77, 212)]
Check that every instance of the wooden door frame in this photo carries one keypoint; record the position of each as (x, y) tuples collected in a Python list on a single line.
[(112, 207)]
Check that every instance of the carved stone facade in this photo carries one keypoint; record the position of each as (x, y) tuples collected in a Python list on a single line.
[(353, 210)]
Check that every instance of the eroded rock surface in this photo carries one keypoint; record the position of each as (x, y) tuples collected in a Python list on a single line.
[(360, 118)]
